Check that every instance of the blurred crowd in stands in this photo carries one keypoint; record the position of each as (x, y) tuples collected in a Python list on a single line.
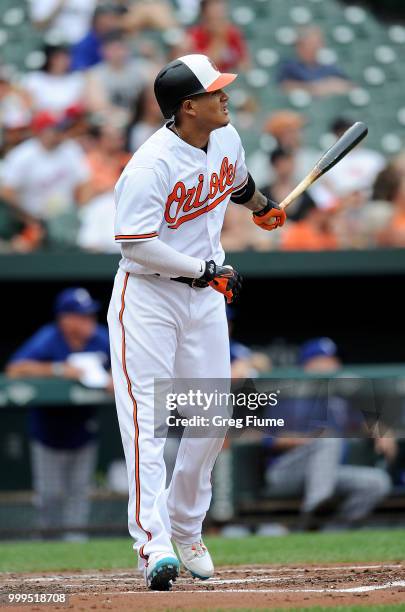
[(69, 127)]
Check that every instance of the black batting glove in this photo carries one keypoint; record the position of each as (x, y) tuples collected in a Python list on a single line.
[(224, 279)]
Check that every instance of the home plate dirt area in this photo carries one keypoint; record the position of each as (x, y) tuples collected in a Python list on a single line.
[(232, 587)]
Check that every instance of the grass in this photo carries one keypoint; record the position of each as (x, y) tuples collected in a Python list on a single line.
[(352, 547)]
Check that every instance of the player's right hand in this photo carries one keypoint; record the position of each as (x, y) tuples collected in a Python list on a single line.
[(270, 217), (224, 279)]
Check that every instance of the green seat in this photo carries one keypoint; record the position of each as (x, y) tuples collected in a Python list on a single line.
[(9, 225), (63, 229)]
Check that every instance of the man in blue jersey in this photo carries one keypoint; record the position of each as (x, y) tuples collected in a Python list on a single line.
[(308, 461), (63, 439)]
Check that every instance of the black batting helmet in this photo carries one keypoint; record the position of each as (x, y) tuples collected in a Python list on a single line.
[(185, 77)]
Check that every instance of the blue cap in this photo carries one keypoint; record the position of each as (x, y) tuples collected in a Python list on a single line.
[(317, 347), (76, 300)]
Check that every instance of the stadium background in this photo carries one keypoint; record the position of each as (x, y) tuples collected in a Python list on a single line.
[(352, 295)]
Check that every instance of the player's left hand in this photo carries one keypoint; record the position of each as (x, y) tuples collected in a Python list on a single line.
[(270, 217), (224, 279)]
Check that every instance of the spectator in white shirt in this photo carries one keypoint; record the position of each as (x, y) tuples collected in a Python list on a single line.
[(55, 88), (46, 176), (62, 20), (354, 173)]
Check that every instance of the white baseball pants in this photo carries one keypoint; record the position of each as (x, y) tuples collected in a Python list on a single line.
[(160, 328)]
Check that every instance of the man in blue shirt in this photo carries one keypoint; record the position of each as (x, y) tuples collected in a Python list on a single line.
[(306, 72), (87, 52), (63, 439)]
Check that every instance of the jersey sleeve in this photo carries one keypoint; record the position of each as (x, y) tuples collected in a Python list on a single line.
[(140, 197)]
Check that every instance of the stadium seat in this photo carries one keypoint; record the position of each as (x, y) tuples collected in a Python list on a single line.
[(300, 15), (385, 54), (9, 226), (396, 33), (3, 37), (267, 57), (343, 34), (355, 15), (13, 17)]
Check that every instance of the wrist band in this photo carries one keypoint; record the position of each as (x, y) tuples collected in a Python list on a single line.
[(245, 193), (270, 204)]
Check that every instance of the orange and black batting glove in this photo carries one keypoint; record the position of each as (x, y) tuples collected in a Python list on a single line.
[(270, 217), (224, 279)]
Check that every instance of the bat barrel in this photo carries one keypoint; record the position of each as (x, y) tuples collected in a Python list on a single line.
[(346, 143)]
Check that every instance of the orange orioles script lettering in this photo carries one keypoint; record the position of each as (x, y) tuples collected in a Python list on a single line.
[(185, 204)]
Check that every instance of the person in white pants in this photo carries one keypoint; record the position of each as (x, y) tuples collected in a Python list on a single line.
[(165, 320)]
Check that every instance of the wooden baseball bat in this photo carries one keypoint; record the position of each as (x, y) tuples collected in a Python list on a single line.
[(337, 151)]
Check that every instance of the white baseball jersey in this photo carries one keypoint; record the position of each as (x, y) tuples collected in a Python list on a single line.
[(179, 193), (160, 328)]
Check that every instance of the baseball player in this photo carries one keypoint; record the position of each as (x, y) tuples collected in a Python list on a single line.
[(167, 312)]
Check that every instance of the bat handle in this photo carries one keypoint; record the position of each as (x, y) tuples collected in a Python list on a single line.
[(300, 188)]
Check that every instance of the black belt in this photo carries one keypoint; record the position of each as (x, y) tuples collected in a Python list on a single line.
[(195, 283)]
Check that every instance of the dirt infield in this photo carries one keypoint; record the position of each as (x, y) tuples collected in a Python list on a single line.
[(232, 587)]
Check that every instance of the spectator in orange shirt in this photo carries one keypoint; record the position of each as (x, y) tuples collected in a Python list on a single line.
[(107, 158), (393, 235), (216, 37), (313, 233)]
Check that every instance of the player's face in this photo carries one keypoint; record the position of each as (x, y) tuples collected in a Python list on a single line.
[(212, 109)]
